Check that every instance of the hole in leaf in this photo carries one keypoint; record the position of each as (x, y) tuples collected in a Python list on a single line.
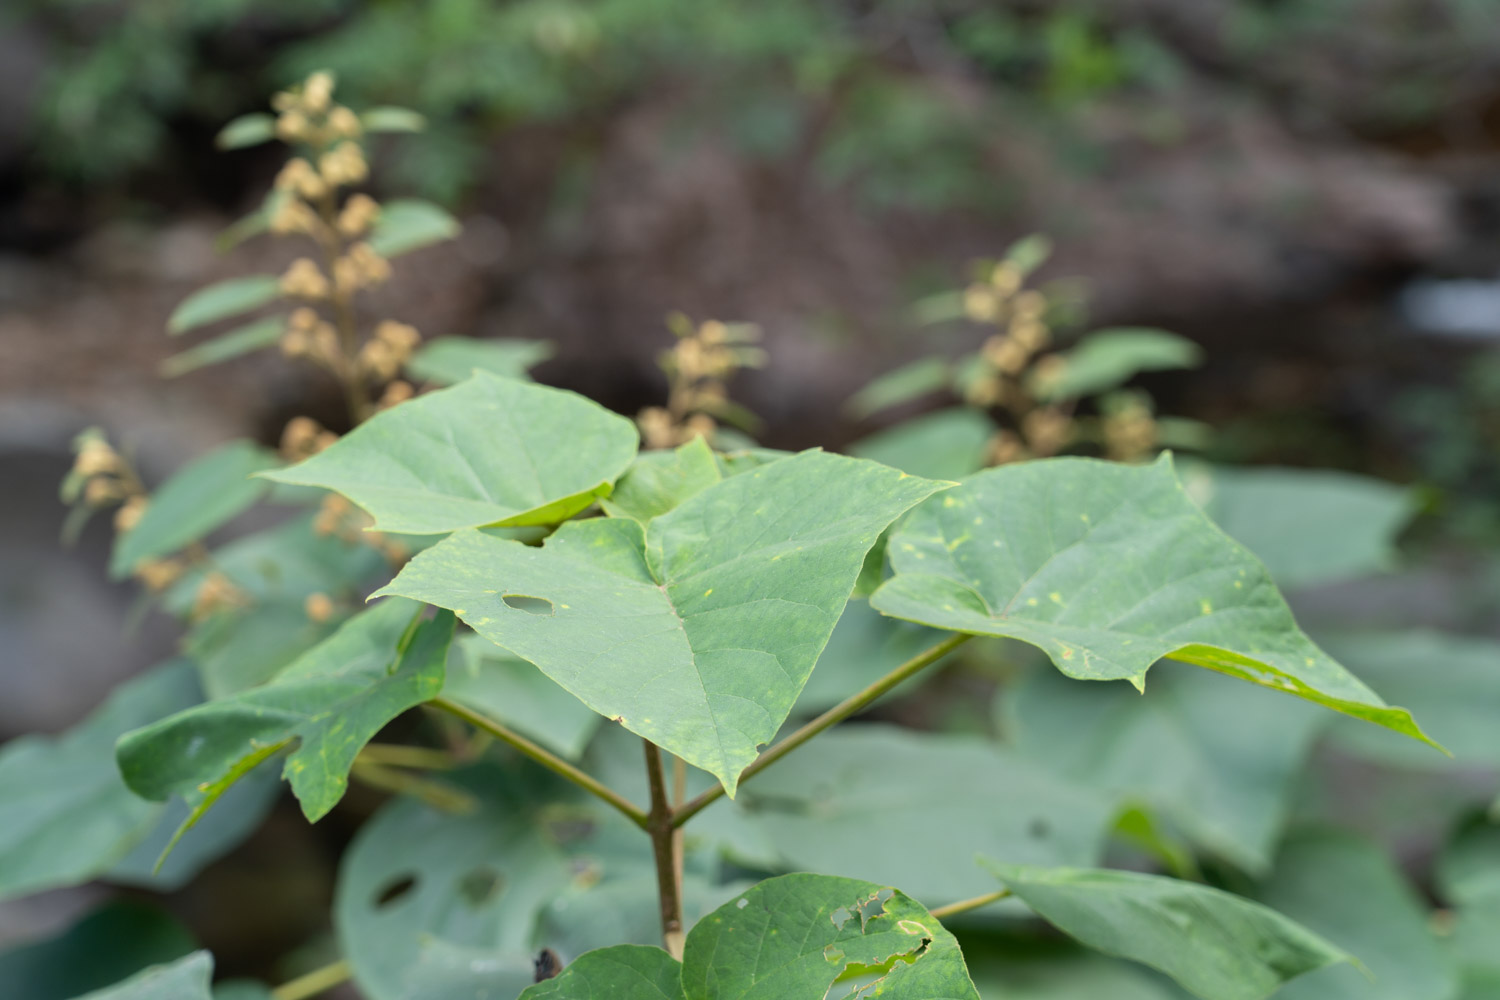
[(742, 903), (394, 891), (530, 605), (1039, 829), (480, 886)]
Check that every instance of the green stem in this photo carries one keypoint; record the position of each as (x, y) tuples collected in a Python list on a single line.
[(965, 905), (546, 758), (314, 982), (849, 706), (664, 839)]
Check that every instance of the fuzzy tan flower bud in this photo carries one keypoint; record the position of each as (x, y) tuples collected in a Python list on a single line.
[(101, 492), (373, 268), (292, 126), (96, 458), (158, 574), (317, 92), (303, 280), (379, 360), (1004, 448), (395, 394), (1030, 305), (1047, 430), (343, 123), (981, 304), (656, 427), (319, 607), (1005, 354), (402, 337), (130, 513), (359, 214), (1006, 279), (343, 165)]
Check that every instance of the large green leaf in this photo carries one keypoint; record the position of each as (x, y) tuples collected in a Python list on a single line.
[(450, 360), (1219, 760), (1451, 682), (657, 481), (201, 496), (65, 815), (1308, 526), (420, 889), (1217, 945), (912, 809), (185, 979), (241, 340), (409, 224), (1108, 568), (949, 444), (223, 300), (623, 972), (795, 936), (325, 706), (511, 690), (108, 944), (1109, 358), (489, 451), (1347, 890), (698, 630)]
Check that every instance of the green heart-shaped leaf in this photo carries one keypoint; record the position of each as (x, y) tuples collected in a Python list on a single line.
[(1109, 568), (489, 451), (698, 630)]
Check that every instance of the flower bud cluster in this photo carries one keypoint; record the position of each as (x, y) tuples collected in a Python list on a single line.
[(698, 368)]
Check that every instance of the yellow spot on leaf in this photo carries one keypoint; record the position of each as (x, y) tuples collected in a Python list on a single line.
[(1206, 606)]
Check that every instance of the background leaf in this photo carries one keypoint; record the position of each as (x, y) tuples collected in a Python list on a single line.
[(326, 705), (907, 383), (490, 450), (241, 340), (1308, 526), (247, 130), (936, 801), (392, 119), (511, 690), (948, 444), (65, 814), (407, 224), (108, 944), (1218, 760), (222, 300), (185, 979), (698, 630), (1110, 358), (1347, 890), (450, 360), (1217, 945), (1108, 568), (200, 497), (1451, 682)]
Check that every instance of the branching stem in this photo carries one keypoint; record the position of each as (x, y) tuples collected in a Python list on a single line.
[(664, 838), (547, 759), (843, 710)]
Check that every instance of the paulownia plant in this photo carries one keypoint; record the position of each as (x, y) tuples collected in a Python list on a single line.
[(639, 628)]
